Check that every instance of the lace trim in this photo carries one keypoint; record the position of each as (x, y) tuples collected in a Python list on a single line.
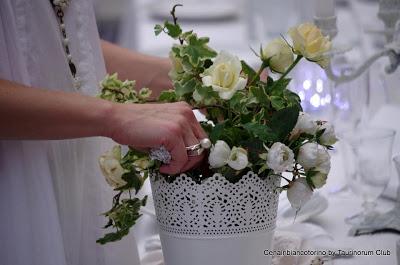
[(216, 207)]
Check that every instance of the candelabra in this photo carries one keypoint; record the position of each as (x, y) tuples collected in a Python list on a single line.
[(389, 13)]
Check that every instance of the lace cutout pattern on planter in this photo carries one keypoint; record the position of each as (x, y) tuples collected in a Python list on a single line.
[(216, 207)]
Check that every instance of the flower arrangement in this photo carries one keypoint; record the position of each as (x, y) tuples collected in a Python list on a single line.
[(254, 124)]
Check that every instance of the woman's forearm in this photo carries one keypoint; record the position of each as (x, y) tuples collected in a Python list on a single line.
[(28, 113), (148, 71)]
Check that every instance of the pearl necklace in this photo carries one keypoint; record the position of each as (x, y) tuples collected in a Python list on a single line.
[(59, 7)]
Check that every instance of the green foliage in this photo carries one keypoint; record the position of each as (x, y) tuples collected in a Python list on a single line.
[(264, 112), (283, 121), (168, 96), (261, 131), (122, 216)]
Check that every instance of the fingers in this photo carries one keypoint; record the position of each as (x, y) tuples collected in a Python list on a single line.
[(190, 139), (174, 143), (186, 111), (187, 132)]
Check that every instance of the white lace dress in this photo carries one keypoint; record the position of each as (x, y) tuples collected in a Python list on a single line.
[(51, 192)]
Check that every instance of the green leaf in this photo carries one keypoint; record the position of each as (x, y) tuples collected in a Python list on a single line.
[(197, 50), (251, 74), (259, 94), (238, 102), (158, 29), (174, 30), (112, 237), (277, 102), (186, 86), (261, 131), (207, 94), (254, 148), (292, 99), (279, 86), (283, 121), (133, 180), (217, 131), (168, 96)]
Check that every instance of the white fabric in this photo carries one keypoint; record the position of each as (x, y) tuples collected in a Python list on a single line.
[(51, 192)]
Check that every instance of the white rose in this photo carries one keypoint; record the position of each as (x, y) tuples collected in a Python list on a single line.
[(319, 178), (238, 158), (305, 124), (177, 66), (313, 155), (221, 154), (280, 158), (329, 136), (299, 193), (224, 75), (309, 42), (280, 55), (111, 167)]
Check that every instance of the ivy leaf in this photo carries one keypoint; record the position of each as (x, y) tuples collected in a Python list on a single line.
[(254, 148), (280, 128), (261, 131), (277, 102), (207, 94), (168, 96), (185, 86), (279, 86), (133, 180), (217, 132), (251, 74), (292, 99), (174, 30), (259, 94), (197, 49), (112, 237), (158, 29)]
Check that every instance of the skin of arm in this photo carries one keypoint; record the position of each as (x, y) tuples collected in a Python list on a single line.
[(30, 113), (148, 71)]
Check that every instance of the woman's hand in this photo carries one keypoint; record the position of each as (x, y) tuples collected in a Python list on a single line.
[(147, 126)]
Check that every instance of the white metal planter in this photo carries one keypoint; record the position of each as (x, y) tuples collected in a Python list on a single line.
[(216, 222)]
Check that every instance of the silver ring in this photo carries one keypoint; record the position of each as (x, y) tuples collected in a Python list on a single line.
[(193, 147), (195, 152)]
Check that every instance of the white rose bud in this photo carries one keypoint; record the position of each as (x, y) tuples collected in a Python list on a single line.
[(111, 167), (319, 178), (313, 155), (299, 193), (238, 158), (329, 136), (305, 124), (219, 154), (224, 75), (280, 158), (309, 42), (280, 55)]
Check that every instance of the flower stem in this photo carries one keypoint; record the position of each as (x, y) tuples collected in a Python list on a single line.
[(262, 67), (298, 58)]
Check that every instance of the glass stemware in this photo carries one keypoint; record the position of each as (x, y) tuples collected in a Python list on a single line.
[(368, 165)]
